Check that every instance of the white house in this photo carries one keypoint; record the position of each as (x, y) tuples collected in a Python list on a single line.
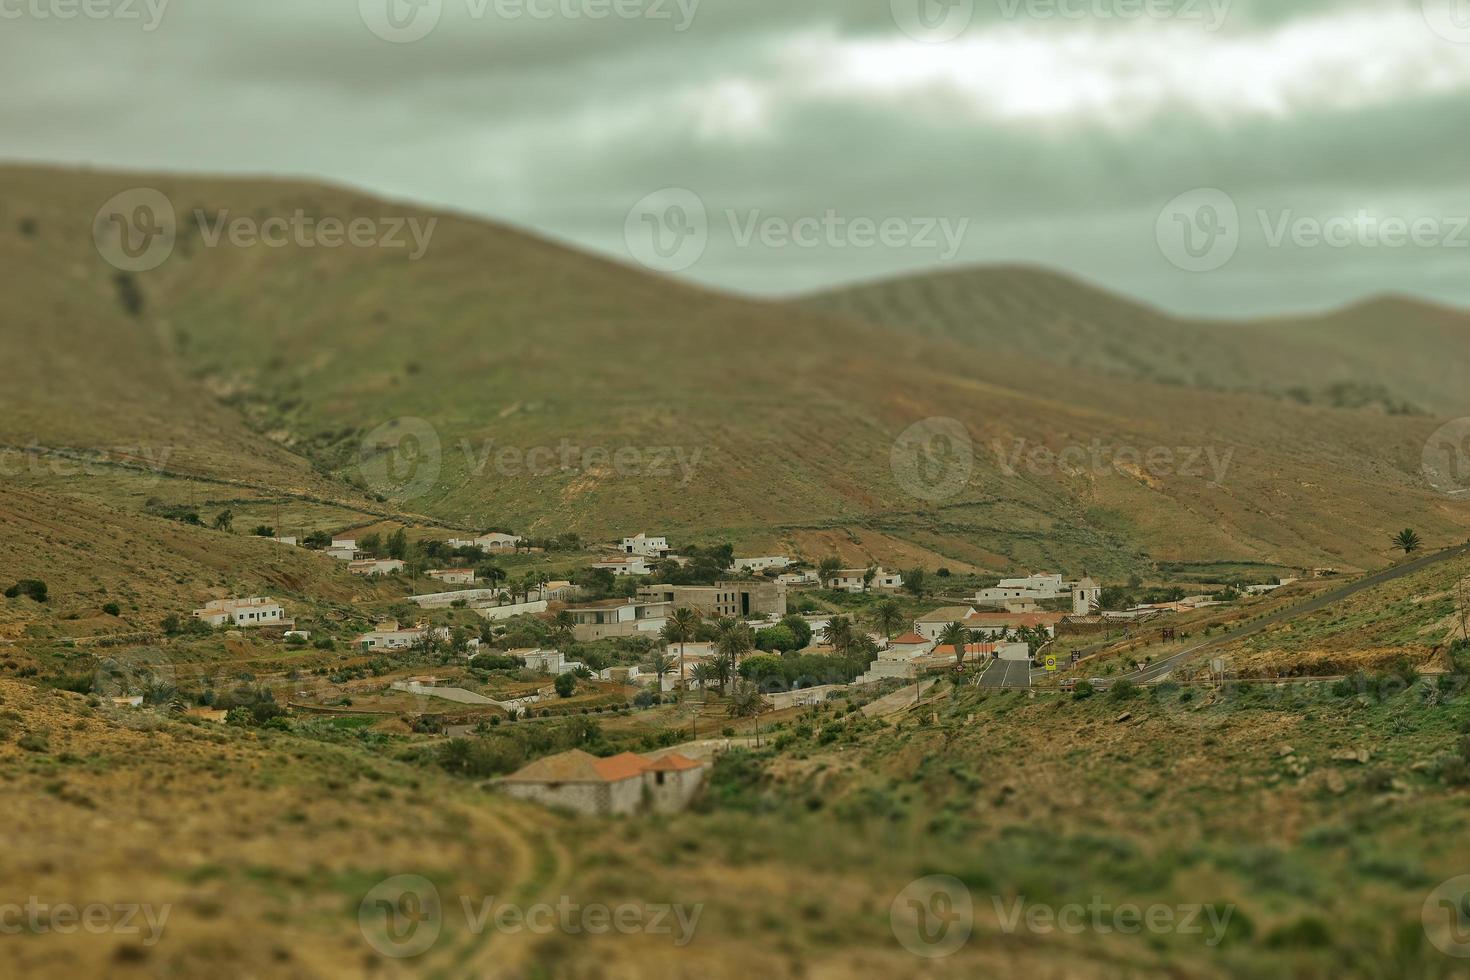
[(906, 647), (624, 565), (343, 549), (618, 617), (258, 611), (932, 624), (375, 566), (399, 639), (642, 544), (797, 578), (547, 661), (760, 564), (453, 576), (1024, 594), (493, 541), (853, 580), (291, 540)]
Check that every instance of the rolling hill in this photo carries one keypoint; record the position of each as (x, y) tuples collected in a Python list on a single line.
[(1392, 354), (710, 416)]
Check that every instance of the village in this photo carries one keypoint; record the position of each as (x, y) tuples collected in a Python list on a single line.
[(679, 653)]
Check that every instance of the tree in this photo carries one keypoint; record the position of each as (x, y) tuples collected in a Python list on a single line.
[(914, 580), (955, 635), (563, 630), (827, 569), (869, 573), (778, 637), (680, 628), (264, 531), (703, 674), (398, 544), (565, 684), (838, 634), (888, 617), (746, 701), (800, 629), (659, 664), (224, 521), (1408, 539), (491, 573), (732, 641)]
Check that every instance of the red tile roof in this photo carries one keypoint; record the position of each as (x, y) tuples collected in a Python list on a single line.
[(673, 762), (1015, 619), (910, 638)]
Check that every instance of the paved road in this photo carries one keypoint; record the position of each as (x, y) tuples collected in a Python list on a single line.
[(1007, 673), (1322, 601)]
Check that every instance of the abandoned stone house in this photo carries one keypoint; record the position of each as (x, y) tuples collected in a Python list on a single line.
[(627, 783)]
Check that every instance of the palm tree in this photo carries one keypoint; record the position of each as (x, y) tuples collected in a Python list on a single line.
[(659, 664), (838, 634), (703, 674), (957, 636), (869, 573), (1408, 539), (888, 617), (733, 641), (746, 701), (493, 574), (680, 628), (563, 630)]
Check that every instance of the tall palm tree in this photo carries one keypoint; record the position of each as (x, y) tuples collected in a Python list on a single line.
[(838, 634), (563, 630), (493, 574), (957, 636), (733, 641), (680, 628), (869, 573), (659, 664), (746, 701), (703, 674), (888, 617), (1408, 539)]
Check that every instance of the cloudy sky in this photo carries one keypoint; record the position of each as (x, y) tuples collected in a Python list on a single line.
[(1218, 157)]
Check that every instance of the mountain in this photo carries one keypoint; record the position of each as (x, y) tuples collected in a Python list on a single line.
[(1393, 354), (552, 391)]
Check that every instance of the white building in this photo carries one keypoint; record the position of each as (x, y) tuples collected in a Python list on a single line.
[(547, 661), (642, 544), (453, 576), (375, 566), (1025, 594), (343, 549), (760, 564), (258, 611), (625, 565), (806, 577), (854, 580), (932, 624), (399, 639), (493, 541)]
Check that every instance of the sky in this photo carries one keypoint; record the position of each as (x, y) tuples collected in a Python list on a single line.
[(1213, 157)]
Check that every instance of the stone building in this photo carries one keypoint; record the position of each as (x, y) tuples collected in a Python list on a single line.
[(621, 784)]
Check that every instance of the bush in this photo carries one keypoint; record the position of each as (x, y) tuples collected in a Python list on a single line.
[(324, 643), (1083, 691), (29, 587), (1124, 690), (112, 609), (565, 685)]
